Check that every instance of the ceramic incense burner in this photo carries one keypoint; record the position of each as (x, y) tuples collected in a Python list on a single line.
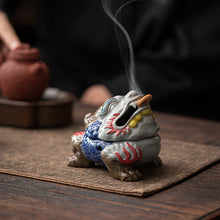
[(23, 76), (121, 135)]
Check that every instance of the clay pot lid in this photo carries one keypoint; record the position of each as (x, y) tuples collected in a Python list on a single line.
[(24, 52)]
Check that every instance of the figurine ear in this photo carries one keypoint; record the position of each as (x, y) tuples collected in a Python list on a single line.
[(108, 106)]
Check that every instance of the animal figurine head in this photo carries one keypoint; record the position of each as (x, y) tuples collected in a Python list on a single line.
[(121, 135)]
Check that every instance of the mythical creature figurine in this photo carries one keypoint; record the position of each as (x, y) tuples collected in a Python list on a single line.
[(121, 135)]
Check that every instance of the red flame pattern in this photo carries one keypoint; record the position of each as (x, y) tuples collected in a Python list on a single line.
[(115, 130), (79, 133), (128, 159)]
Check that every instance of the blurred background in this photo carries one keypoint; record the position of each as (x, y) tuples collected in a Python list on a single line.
[(176, 47)]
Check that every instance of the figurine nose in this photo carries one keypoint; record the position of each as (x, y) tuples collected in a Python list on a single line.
[(144, 100)]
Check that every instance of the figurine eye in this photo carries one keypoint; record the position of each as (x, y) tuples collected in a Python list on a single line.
[(108, 106)]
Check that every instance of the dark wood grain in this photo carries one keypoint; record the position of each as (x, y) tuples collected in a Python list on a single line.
[(24, 198), (36, 199), (189, 129)]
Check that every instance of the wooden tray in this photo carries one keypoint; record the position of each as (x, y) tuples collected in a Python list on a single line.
[(53, 110)]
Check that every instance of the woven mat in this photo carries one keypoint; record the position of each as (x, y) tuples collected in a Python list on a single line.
[(42, 154)]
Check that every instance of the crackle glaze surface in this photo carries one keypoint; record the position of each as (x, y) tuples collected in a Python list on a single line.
[(123, 131), (121, 135)]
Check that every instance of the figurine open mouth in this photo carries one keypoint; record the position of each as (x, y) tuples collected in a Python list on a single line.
[(134, 112), (130, 119), (126, 116)]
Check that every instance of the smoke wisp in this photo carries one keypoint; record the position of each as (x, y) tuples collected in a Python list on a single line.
[(128, 55)]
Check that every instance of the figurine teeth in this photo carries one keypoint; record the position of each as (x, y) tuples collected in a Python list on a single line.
[(133, 105)]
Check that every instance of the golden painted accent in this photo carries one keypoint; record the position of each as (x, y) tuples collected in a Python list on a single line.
[(138, 117), (146, 111), (133, 123)]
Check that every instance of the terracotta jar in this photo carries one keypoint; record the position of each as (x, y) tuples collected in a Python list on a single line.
[(23, 76)]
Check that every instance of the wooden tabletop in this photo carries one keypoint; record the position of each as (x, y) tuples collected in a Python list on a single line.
[(197, 197)]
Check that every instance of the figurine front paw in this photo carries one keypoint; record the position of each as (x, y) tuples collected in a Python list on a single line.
[(75, 161), (121, 171), (128, 174)]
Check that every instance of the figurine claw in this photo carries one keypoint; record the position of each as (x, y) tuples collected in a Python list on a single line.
[(129, 174)]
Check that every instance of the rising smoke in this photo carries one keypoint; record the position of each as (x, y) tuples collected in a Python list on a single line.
[(128, 59)]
